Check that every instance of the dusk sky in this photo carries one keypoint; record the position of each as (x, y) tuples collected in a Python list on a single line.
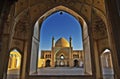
[(60, 25)]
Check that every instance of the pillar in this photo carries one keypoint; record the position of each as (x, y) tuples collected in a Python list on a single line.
[(112, 8), (97, 62), (24, 65), (53, 58), (4, 56), (4, 38), (13, 62), (87, 56), (109, 61), (70, 57)]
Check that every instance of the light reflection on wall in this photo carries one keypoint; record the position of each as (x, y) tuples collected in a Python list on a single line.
[(14, 60)]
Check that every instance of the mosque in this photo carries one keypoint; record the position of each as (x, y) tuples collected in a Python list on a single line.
[(61, 55), (20, 26)]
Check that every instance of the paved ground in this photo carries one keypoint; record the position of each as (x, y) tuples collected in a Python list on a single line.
[(14, 74), (61, 71), (108, 73)]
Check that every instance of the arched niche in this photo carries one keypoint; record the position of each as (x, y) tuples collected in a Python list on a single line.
[(14, 64), (106, 62), (86, 38)]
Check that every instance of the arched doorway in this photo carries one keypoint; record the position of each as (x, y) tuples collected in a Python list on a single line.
[(86, 37), (62, 63), (76, 63), (106, 63), (47, 63), (14, 64)]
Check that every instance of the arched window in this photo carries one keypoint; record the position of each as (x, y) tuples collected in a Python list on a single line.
[(62, 57)]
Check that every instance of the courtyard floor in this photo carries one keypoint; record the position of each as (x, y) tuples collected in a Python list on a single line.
[(13, 74)]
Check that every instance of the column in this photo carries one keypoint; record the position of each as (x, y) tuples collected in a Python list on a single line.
[(13, 62), (24, 64), (97, 62), (112, 8), (109, 61), (4, 56), (52, 58), (70, 57)]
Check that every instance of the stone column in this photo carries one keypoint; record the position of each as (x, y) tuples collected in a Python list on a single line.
[(70, 57), (4, 39), (24, 66), (52, 58), (97, 62), (4, 56), (112, 8), (13, 62), (87, 56)]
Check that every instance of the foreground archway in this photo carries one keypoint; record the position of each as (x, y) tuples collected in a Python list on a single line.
[(86, 39), (112, 36)]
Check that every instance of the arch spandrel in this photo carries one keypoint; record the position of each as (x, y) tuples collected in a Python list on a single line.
[(78, 14), (33, 5), (100, 5), (62, 52)]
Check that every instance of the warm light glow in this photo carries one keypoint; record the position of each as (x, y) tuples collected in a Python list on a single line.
[(62, 42), (62, 57), (41, 63), (106, 50), (14, 60)]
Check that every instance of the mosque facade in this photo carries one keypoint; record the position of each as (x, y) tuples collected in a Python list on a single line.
[(61, 55)]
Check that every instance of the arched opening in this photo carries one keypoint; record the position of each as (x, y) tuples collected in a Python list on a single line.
[(48, 63), (76, 63), (14, 64), (62, 57), (62, 64), (81, 64), (107, 64), (86, 57)]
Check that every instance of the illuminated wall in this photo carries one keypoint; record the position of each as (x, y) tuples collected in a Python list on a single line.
[(14, 60)]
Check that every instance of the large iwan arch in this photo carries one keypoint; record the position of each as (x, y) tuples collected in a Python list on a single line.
[(18, 20), (86, 38)]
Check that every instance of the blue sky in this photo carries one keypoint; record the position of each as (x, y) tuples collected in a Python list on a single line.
[(60, 25)]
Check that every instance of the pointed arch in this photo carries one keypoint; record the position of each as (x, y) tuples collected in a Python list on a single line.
[(36, 41), (14, 63), (106, 62)]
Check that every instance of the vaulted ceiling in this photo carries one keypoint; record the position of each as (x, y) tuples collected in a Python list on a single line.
[(38, 7), (27, 12), (33, 9)]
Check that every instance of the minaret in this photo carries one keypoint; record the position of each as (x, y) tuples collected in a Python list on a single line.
[(52, 54), (52, 41), (70, 41)]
